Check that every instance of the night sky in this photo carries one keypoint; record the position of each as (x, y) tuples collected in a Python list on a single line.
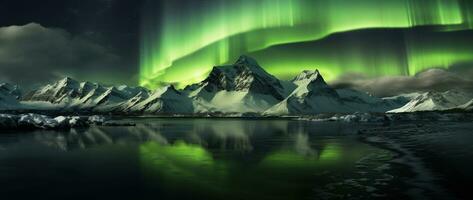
[(104, 32), (364, 44)]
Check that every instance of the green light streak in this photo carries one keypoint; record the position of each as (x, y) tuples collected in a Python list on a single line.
[(330, 154), (270, 174), (181, 163), (191, 40), (173, 156)]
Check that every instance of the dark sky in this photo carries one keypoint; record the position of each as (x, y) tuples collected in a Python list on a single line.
[(110, 26), (99, 40)]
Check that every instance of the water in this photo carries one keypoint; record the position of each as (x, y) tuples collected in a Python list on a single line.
[(163, 158)]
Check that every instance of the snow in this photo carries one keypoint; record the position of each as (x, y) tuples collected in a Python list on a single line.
[(305, 77), (8, 121), (71, 94), (435, 101), (164, 100), (36, 121), (241, 102), (62, 120), (239, 88), (314, 96), (242, 87)]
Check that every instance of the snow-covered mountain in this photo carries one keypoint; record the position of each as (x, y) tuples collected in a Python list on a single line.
[(70, 93), (313, 96), (436, 101), (166, 100), (241, 87), (9, 95)]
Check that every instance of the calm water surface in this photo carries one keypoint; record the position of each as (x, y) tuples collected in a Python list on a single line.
[(197, 159)]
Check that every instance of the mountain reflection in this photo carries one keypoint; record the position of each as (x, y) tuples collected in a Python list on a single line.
[(236, 136), (219, 134), (302, 145), (245, 157), (199, 157)]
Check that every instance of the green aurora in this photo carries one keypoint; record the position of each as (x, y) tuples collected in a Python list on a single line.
[(396, 37), (190, 167)]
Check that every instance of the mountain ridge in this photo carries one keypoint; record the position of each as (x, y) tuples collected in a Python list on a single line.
[(436, 101), (242, 87)]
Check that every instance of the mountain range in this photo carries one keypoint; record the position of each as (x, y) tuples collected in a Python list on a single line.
[(437, 101), (242, 87)]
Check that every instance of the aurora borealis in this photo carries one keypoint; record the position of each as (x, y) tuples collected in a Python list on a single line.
[(286, 36)]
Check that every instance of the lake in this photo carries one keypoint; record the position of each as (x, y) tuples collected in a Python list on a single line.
[(190, 158)]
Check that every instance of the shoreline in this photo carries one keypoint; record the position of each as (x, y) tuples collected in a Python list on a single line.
[(431, 178)]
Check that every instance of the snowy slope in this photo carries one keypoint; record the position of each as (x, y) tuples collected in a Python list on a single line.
[(166, 100), (86, 96), (435, 101), (242, 87), (311, 96), (314, 96), (70, 93)]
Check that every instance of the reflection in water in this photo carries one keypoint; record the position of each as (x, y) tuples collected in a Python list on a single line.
[(331, 152), (181, 165), (302, 145), (216, 158), (248, 157)]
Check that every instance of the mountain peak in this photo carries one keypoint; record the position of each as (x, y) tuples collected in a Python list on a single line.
[(436, 100), (243, 64), (246, 75), (246, 60), (169, 89), (67, 81), (172, 88), (308, 75)]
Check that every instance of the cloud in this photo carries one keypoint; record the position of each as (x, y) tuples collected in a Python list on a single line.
[(32, 53), (429, 80)]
